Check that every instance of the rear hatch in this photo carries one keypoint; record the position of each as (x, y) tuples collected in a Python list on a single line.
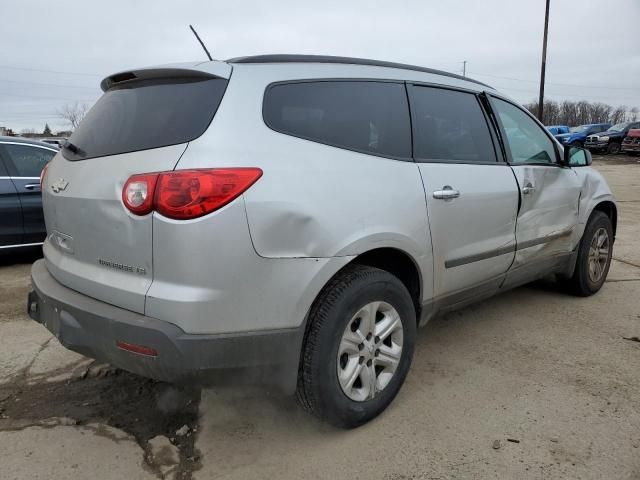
[(141, 124)]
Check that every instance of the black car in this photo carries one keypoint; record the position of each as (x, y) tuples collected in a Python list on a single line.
[(610, 140), (21, 218)]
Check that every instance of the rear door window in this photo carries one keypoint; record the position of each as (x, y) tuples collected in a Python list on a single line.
[(449, 125), (27, 160), (365, 116), (146, 114)]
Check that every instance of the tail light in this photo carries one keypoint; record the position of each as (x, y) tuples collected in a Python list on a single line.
[(185, 194), (43, 174), (137, 193)]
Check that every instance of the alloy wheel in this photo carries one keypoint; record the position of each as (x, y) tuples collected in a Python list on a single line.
[(598, 255), (370, 351)]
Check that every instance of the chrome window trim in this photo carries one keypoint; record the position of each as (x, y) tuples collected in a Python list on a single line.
[(21, 245), (19, 178), (55, 150)]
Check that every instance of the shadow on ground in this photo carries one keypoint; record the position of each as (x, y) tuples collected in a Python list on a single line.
[(141, 407), (20, 256)]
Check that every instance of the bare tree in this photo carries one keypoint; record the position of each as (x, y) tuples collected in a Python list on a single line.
[(73, 113), (619, 114), (580, 113)]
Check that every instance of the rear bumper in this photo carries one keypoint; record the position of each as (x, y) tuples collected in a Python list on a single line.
[(92, 328)]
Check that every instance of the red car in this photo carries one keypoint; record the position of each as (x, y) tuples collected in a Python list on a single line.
[(631, 143)]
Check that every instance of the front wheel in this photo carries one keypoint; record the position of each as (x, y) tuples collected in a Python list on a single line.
[(594, 256), (358, 346), (613, 148)]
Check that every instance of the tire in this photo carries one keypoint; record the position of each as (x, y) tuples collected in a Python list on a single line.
[(586, 280), (613, 148), (330, 331), (576, 144)]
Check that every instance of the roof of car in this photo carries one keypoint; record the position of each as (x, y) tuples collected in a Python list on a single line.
[(288, 58), (26, 141)]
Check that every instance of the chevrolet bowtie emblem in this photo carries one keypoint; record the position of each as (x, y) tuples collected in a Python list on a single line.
[(59, 185)]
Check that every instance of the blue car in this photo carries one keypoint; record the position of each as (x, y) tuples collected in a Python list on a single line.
[(577, 135), (21, 217), (558, 129)]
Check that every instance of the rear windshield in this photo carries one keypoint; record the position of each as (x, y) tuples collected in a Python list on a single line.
[(146, 114)]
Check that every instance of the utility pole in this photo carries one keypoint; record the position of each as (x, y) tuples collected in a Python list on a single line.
[(544, 63), (464, 68)]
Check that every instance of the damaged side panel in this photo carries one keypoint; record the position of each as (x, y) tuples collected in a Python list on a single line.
[(594, 191), (549, 203)]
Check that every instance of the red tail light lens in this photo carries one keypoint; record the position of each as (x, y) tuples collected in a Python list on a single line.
[(135, 348), (185, 194), (43, 175), (137, 193)]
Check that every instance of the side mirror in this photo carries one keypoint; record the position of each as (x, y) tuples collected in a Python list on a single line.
[(577, 157)]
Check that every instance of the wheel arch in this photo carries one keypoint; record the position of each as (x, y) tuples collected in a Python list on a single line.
[(610, 210), (398, 263)]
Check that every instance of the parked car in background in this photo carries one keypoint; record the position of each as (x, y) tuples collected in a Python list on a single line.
[(269, 212), (611, 139), (21, 218), (631, 143), (57, 141), (578, 135), (558, 130)]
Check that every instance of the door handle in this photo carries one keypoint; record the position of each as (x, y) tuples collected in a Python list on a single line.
[(447, 193), (32, 186), (528, 188)]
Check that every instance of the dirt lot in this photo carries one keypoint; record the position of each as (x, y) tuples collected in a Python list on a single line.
[(533, 384)]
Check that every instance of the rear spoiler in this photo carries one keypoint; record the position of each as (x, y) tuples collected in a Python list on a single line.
[(196, 70)]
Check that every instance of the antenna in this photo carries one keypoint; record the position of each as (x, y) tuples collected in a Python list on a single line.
[(201, 42)]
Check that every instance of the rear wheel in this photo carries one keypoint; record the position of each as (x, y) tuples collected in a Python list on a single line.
[(358, 346), (613, 148), (594, 256)]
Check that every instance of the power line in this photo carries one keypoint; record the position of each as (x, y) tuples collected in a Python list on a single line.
[(42, 97), (556, 84), (25, 82), (583, 97), (50, 71)]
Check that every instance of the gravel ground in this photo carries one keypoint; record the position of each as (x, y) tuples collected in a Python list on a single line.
[(532, 384)]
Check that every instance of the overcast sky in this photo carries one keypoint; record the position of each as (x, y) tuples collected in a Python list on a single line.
[(57, 52)]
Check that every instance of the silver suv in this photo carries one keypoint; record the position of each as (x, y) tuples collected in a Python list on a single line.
[(301, 216)]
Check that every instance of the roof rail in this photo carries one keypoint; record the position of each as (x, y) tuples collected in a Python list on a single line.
[(288, 58)]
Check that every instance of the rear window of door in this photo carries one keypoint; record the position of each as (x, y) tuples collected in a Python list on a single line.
[(27, 160), (526, 141), (147, 114), (365, 116), (449, 125)]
